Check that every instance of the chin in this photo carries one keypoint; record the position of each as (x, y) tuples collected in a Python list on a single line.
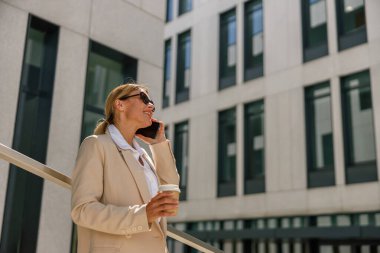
[(147, 124)]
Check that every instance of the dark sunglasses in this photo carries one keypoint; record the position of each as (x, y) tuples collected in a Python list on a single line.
[(146, 100)]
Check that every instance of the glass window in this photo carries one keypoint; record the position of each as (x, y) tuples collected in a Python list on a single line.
[(227, 153), (314, 20), (351, 23), (254, 142), (320, 154), (184, 6), (31, 132), (343, 220), (181, 153), (183, 67), (106, 69), (169, 10), (358, 126), (167, 74), (253, 40), (227, 49), (324, 221)]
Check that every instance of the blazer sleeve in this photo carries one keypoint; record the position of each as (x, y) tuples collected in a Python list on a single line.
[(87, 210), (164, 162)]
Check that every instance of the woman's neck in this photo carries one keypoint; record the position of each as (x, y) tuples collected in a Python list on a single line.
[(127, 131)]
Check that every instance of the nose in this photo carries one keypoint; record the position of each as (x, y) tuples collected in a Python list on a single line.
[(151, 107)]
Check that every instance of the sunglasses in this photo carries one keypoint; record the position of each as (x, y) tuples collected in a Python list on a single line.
[(143, 96)]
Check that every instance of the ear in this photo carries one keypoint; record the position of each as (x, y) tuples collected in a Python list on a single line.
[(119, 105)]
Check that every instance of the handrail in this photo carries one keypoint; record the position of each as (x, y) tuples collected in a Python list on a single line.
[(24, 162)]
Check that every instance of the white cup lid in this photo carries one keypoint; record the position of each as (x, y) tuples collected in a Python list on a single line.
[(169, 187)]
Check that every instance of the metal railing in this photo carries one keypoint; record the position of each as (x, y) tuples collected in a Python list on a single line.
[(26, 163)]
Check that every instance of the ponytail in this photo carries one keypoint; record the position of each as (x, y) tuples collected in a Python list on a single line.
[(101, 127)]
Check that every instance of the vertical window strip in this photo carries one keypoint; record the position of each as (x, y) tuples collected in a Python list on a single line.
[(359, 134), (254, 150), (228, 50), (253, 40), (319, 136), (227, 153), (314, 18), (167, 74)]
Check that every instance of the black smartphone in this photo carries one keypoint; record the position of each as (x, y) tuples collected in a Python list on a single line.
[(150, 131)]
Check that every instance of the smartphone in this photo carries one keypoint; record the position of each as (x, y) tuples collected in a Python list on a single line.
[(150, 131)]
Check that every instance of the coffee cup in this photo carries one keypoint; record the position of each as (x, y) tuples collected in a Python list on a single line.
[(171, 188)]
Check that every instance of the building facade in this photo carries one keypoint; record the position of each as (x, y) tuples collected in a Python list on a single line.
[(273, 107), (58, 61)]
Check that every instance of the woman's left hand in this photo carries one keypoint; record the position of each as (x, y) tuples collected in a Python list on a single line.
[(160, 137)]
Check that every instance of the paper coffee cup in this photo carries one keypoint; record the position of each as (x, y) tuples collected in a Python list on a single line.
[(171, 188)]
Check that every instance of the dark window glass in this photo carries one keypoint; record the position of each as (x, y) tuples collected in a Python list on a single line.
[(183, 67), (184, 6), (319, 137), (314, 20), (358, 126), (227, 49), (24, 190), (167, 74), (227, 153), (254, 147), (351, 23), (253, 40), (106, 69), (181, 153), (169, 10)]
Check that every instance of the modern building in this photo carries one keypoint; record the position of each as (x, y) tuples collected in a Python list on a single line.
[(274, 109), (58, 61)]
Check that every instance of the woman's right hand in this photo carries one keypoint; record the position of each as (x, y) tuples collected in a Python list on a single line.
[(161, 205)]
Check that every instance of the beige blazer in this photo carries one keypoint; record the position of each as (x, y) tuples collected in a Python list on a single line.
[(109, 197)]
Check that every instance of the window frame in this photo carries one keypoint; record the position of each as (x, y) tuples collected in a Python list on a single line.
[(226, 79), (226, 118), (254, 71), (352, 38), (182, 7), (312, 52), (166, 99), (325, 176), (182, 92), (257, 183), (364, 171), (179, 132)]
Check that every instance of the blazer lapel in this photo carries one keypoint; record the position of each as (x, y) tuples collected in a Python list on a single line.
[(137, 173)]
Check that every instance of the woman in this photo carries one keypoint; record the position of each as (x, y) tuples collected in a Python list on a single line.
[(114, 190)]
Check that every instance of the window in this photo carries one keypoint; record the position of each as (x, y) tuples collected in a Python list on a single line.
[(167, 74), (253, 40), (227, 50), (254, 156), (183, 67), (106, 69), (184, 6), (351, 23), (181, 153), (24, 190), (358, 126), (169, 10), (314, 21), (227, 153), (319, 136)]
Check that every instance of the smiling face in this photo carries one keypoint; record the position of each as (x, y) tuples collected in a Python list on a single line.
[(135, 110)]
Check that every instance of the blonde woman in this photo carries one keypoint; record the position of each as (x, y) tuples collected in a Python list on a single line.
[(115, 199)]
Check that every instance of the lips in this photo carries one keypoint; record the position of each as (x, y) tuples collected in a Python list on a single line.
[(150, 114)]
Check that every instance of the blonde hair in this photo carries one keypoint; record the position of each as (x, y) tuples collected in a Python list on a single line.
[(109, 113)]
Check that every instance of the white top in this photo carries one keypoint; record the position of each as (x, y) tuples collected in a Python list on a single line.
[(137, 152)]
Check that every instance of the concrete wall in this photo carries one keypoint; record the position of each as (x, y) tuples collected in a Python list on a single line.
[(282, 89), (134, 27)]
